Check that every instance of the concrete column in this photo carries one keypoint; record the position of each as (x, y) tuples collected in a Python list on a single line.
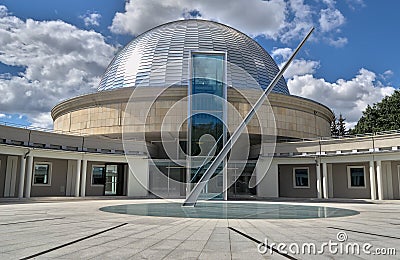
[(379, 179), (330, 180), (83, 181), (225, 180), (372, 179), (77, 177), (21, 177), (325, 180), (188, 178), (29, 172), (319, 191)]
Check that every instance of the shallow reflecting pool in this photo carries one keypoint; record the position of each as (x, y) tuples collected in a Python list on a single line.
[(224, 210)]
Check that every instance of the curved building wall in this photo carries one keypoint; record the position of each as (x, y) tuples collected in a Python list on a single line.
[(102, 113)]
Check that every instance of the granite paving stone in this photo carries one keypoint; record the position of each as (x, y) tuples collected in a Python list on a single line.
[(35, 226)]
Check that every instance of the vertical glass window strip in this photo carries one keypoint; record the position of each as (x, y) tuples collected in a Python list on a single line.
[(207, 113), (207, 78)]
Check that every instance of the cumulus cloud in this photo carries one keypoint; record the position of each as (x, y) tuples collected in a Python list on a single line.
[(348, 97), (283, 53), (275, 19), (330, 19), (91, 19), (298, 67), (60, 61), (42, 120), (301, 22), (252, 16)]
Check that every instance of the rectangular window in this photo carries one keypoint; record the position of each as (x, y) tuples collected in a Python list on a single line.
[(356, 176), (301, 178), (98, 174), (41, 173)]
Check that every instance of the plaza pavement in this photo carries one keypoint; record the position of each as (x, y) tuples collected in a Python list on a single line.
[(77, 229)]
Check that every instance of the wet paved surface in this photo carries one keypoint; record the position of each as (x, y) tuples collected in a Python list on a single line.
[(231, 210)]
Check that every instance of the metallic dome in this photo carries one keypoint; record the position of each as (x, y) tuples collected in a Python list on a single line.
[(159, 57)]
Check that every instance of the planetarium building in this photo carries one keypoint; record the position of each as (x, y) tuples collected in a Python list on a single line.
[(164, 108)]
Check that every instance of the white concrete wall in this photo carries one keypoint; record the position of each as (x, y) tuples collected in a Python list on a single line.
[(138, 177), (268, 183)]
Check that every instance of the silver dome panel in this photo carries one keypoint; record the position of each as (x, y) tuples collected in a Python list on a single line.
[(159, 57)]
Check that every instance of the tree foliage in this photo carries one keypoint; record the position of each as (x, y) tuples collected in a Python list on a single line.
[(382, 116), (338, 126), (342, 126), (334, 128)]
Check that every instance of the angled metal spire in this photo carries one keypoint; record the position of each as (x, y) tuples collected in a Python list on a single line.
[(194, 194)]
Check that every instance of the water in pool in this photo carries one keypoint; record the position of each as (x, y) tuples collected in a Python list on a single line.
[(229, 210)]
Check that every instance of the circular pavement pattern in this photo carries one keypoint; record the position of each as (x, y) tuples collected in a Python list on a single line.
[(226, 210)]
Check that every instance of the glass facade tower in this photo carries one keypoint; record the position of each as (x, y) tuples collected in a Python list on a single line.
[(207, 118)]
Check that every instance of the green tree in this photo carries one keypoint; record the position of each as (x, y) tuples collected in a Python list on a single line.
[(338, 126), (341, 126), (382, 116), (334, 126)]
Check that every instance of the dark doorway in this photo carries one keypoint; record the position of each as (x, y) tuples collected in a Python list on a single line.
[(114, 180), (240, 180)]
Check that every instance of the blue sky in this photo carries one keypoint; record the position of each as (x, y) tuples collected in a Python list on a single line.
[(53, 50)]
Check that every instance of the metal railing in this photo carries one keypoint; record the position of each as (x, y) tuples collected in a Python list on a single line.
[(324, 138), (36, 128), (343, 137)]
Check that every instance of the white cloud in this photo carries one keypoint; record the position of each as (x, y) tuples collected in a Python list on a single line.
[(339, 42), (301, 67), (3, 11), (300, 24), (60, 61), (42, 120), (330, 19), (329, 3), (254, 17), (388, 73), (91, 19), (3, 116), (348, 97), (355, 4), (298, 67), (283, 53), (275, 19)]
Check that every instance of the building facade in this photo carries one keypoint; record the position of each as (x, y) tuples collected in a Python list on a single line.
[(36, 163), (165, 106)]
